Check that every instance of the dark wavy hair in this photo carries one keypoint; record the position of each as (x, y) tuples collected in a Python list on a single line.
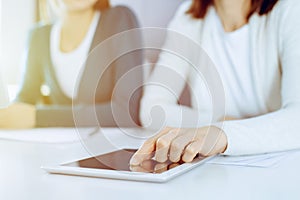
[(102, 4), (199, 8)]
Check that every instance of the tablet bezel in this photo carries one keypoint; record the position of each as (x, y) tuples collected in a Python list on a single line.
[(122, 175)]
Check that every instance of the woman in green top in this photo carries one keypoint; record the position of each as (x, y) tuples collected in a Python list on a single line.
[(80, 27)]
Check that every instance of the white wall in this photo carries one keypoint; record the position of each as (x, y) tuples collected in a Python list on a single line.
[(152, 13), (17, 17)]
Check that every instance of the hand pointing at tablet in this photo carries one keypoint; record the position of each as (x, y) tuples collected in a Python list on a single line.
[(181, 144)]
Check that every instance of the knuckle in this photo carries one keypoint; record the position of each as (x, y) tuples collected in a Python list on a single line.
[(146, 143), (161, 159), (161, 156), (176, 145), (149, 141), (190, 150), (161, 142)]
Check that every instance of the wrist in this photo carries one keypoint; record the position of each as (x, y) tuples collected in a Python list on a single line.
[(222, 141)]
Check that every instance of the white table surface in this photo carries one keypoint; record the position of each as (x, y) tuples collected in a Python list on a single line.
[(21, 178)]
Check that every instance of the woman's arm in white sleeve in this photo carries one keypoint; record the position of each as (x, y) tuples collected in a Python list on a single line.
[(279, 130), (159, 105)]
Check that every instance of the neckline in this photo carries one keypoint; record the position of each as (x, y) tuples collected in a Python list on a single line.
[(221, 27), (89, 33)]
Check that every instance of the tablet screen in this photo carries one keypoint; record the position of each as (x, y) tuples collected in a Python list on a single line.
[(119, 160)]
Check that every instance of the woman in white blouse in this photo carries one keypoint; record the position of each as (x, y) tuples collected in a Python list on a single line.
[(255, 47)]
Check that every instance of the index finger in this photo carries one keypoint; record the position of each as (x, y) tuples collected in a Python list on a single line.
[(147, 150)]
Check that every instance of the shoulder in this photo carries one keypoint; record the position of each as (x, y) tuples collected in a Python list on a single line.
[(40, 29), (284, 18), (182, 19), (181, 12), (283, 21), (183, 8), (282, 5), (39, 32), (120, 16), (286, 9), (119, 11), (183, 22)]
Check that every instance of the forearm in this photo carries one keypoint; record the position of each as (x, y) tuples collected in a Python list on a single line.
[(173, 115), (272, 132), (108, 114), (54, 116)]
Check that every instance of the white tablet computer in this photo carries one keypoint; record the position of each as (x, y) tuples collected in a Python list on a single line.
[(115, 165)]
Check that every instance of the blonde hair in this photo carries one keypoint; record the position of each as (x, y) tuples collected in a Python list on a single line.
[(46, 12)]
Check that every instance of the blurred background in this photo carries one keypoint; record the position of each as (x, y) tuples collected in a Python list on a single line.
[(18, 16)]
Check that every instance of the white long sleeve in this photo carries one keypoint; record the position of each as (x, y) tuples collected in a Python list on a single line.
[(279, 130), (272, 122), (159, 105)]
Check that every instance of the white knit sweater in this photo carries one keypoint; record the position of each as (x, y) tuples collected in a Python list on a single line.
[(272, 123)]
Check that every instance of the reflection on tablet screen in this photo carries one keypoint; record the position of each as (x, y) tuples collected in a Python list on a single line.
[(119, 160)]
